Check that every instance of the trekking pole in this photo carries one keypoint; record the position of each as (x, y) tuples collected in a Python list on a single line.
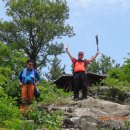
[(97, 42)]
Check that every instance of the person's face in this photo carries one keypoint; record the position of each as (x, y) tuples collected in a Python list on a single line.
[(80, 56), (30, 65)]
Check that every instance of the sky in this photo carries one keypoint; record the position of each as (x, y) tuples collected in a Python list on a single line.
[(109, 19)]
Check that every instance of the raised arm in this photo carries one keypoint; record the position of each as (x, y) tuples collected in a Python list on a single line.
[(71, 57), (93, 58)]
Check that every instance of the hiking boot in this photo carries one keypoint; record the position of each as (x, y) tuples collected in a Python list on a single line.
[(83, 98)]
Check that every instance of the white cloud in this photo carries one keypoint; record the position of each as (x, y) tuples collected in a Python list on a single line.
[(109, 6)]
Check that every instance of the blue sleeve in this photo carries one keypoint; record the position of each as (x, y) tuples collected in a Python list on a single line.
[(20, 76), (37, 76)]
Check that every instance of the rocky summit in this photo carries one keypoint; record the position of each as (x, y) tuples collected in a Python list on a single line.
[(94, 114)]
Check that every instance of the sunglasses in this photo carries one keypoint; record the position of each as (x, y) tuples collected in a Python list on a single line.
[(30, 64)]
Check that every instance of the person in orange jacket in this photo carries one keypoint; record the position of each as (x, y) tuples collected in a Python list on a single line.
[(80, 78), (28, 80)]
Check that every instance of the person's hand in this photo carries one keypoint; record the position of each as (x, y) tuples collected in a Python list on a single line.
[(66, 47), (36, 83), (20, 83)]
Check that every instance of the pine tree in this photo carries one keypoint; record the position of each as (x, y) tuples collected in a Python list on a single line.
[(55, 69)]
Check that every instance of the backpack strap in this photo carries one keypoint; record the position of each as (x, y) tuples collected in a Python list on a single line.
[(75, 62), (85, 63), (73, 65)]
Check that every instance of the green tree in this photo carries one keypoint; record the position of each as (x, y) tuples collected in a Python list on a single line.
[(5, 70), (12, 59), (103, 65), (11, 63), (34, 26), (94, 67), (126, 68), (55, 70), (106, 63)]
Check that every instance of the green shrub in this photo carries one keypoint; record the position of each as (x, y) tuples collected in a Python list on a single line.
[(13, 89), (116, 83), (10, 117), (9, 113), (50, 93), (43, 118), (127, 125)]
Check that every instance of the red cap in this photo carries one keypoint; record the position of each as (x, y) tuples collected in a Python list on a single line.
[(80, 53)]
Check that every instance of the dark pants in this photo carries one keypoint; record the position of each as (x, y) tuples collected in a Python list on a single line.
[(80, 83)]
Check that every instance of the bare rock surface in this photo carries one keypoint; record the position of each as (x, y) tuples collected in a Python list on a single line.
[(93, 114)]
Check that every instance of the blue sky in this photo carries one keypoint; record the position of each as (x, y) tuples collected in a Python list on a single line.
[(109, 19)]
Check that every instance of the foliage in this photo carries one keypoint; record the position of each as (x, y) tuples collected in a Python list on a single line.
[(116, 85), (53, 121), (117, 73), (2, 92), (94, 67), (126, 68), (127, 125), (5, 69), (34, 25), (5, 74), (43, 118), (106, 63), (11, 63), (13, 89), (115, 78), (112, 82), (9, 113), (115, 95), (102, 65), (56, 70), (50, 93), (17, 61), (10, 117)]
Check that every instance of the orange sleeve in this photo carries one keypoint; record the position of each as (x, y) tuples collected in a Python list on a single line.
[(73, 60), (88, 61)]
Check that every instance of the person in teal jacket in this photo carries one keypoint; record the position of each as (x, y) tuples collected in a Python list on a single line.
[(28, 80)]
